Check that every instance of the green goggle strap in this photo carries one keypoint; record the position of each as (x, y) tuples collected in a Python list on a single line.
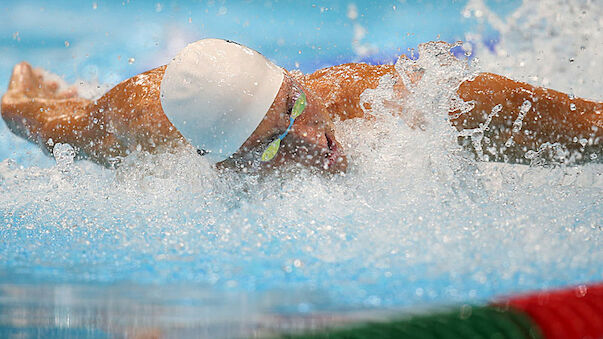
[(298, 108)]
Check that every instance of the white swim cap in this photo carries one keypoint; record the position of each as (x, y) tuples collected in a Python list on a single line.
[(217, 92)]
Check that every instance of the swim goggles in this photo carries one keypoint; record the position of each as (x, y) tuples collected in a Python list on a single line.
[(298, 109)]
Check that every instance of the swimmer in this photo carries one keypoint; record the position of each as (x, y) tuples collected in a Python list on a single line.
[(238, 109)]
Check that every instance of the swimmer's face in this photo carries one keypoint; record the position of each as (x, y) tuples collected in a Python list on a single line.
[(311, 141)]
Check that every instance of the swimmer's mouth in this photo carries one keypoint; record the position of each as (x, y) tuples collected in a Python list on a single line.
[(335, 159)]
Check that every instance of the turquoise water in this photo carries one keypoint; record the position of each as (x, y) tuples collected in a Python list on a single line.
[(167, 243), (96, 39)]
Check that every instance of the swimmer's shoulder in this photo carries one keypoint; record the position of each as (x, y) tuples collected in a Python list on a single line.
[(352, 71)]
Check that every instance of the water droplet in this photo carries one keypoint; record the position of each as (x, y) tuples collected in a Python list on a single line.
[(94, 5), (581, 291), (352, 12), (468, 48), (509, 142), (63, 155), (66, 43), (131, 60)]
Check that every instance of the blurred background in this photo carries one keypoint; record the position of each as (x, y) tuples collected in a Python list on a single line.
[(111, 40)]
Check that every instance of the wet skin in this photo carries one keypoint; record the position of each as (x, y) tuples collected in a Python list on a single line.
[(310, 142), (129, 117)]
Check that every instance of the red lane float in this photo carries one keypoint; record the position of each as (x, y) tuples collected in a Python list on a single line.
[(575, 312)]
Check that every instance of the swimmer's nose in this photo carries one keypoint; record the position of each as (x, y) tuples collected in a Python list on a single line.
[(323, 150)]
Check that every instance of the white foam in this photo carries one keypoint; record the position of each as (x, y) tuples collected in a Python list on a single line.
[(551, 43)]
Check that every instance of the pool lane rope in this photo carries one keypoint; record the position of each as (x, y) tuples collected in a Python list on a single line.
[(575, 312), (570, 313)]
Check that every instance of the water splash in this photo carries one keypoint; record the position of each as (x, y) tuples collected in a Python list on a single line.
[(416, 219), (551, 43), (477, 134), (518, 123), (64, 155)]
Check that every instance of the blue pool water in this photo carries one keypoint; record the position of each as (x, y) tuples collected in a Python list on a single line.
[(167, 245)]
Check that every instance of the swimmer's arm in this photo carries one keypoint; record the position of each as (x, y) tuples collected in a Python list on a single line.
[(127, 118), (552, 117), (35, 109), (48, 121), (340, 87)]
